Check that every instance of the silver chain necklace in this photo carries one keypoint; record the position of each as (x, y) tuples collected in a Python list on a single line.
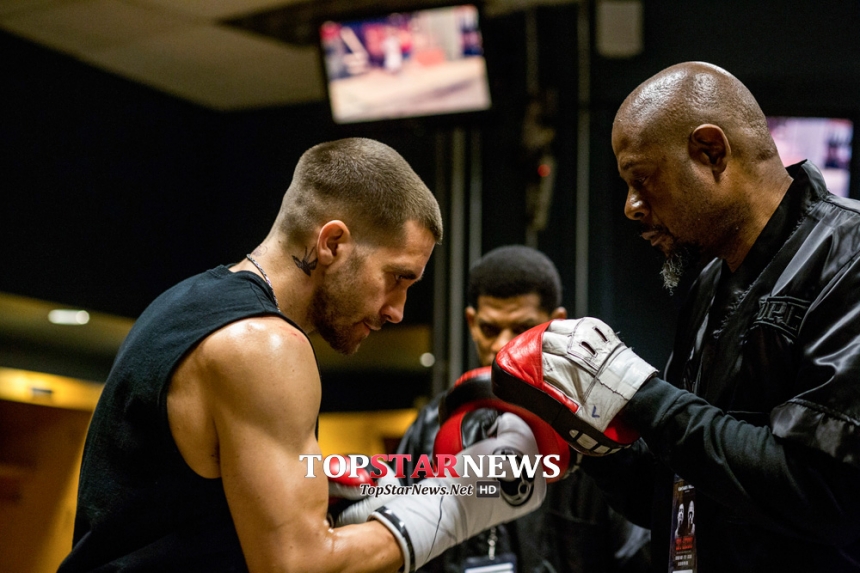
[(266, 278)]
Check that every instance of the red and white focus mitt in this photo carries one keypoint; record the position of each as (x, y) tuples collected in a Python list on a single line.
[(577, 376), (466, 412)]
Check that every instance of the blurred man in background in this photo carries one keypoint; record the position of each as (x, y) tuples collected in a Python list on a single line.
[(512, 289)]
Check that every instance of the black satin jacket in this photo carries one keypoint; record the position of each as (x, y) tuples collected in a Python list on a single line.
[(781, 335), (761, 412)]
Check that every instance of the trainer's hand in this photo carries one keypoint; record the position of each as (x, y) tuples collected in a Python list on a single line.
[(577, 375)]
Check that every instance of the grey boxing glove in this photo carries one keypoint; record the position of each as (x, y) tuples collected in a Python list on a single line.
[(427, 524)]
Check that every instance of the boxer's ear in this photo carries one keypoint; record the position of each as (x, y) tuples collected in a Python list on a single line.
[(333, 238), (709, 146)]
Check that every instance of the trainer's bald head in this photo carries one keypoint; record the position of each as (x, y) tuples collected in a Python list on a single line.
[(668, 107), (702, 170)]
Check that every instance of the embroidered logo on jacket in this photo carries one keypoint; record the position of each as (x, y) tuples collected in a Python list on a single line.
[(784, 313)]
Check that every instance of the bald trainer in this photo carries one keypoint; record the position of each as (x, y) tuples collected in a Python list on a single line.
[(756, 422)]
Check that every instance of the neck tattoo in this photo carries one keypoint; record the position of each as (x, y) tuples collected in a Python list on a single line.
[(266, 278), (306, 264)]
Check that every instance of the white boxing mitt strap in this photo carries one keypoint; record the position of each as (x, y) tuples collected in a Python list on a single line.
[(426, 525), (577, 375)]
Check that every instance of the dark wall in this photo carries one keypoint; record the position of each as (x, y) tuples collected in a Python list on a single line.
[(793, 53), (113, 192)]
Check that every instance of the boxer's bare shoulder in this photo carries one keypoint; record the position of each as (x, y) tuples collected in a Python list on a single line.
[(256, 370)]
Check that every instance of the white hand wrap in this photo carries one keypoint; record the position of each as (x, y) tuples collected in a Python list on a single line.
[(359, 511)]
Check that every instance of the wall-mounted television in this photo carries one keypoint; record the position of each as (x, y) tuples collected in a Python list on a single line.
[(427, 62), (825, 141)]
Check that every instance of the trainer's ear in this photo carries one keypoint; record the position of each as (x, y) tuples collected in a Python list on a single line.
[(331, 240), (709, 146), (559, 313)]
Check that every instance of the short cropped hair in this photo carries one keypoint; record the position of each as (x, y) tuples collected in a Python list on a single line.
[(365, 184), (515, 270)]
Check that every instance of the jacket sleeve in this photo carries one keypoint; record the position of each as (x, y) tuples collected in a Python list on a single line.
[(779, 484), (627, 480)]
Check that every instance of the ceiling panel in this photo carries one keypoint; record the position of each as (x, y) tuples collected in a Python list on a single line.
[(219, 67), (80, 27), (217, 9), (178, 47)]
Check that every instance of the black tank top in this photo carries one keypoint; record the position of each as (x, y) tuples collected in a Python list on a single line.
[(140, 507)]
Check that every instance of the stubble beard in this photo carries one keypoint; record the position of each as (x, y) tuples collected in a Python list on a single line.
[(333, 307), (687, 255)]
